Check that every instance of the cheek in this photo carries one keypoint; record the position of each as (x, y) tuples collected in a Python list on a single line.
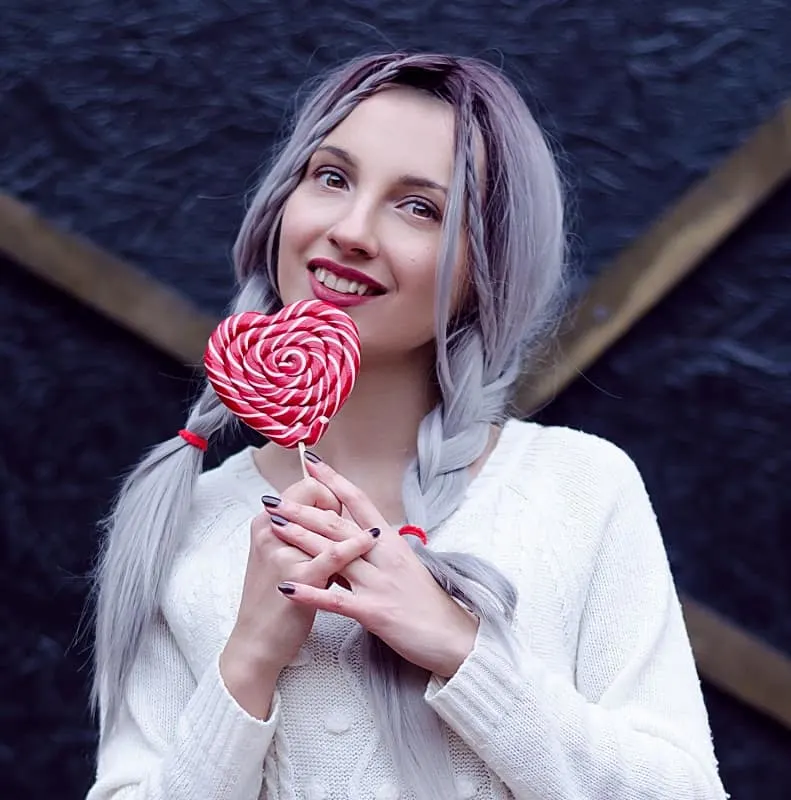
[(420, 261), (292, 242), (294, 228), (423, 268)]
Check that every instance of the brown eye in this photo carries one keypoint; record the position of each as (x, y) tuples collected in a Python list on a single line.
[(423, 210), (331, 179)]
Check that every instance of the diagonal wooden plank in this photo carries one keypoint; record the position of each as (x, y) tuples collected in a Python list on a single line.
[(644, 272), (114, 287), (739, 663)]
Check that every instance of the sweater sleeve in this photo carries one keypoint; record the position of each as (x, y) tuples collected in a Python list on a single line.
[(177, 739), (631, 725)]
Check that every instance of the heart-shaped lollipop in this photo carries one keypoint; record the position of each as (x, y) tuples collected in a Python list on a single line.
[(285, 374)]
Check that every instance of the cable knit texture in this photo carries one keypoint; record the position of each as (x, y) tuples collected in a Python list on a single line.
[(603, 701)]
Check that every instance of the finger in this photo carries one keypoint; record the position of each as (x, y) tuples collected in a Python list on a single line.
[(337, 601), (327, 523), (314, 544), (265, 544), (356, 502), (295, 535), (342, 558), (310, 492)]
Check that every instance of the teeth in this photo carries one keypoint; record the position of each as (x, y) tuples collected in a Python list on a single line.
[(342, 285)]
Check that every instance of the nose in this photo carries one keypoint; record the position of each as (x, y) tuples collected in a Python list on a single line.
[(353, 233)]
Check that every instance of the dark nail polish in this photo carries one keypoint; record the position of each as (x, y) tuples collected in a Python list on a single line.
[(312, 457), (286, 588), (269, 501), (278, 520), (374, 532)]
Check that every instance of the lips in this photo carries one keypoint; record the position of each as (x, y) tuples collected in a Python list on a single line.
[(340, 271), (338, 299)]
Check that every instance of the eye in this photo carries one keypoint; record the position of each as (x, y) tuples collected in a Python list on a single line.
[(331, 178), (423, 210)]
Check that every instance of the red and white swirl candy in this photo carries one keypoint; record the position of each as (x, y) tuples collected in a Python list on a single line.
[(285, 374)]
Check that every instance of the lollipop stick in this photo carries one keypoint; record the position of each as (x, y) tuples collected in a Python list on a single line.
[(301, 448)]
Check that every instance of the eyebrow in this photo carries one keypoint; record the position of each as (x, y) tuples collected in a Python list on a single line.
[(404, 180)]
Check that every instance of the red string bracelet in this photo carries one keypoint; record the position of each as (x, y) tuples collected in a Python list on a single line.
[(413, 530), (192, 438)]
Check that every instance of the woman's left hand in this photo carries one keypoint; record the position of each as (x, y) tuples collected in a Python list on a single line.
[(391, 594)]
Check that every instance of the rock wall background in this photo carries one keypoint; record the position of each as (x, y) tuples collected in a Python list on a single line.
[(141, 125)]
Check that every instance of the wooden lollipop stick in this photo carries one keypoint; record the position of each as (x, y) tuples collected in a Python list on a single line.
[(301, 448)]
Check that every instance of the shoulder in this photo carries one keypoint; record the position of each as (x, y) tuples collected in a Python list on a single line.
[(579, 502), (223, 496), (566, 450), (570, 467)]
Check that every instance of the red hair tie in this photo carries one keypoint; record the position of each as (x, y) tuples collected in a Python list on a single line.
[(192, 438), (413, 530)]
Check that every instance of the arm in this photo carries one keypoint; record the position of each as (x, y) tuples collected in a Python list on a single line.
[(178, 740), (633, 724)]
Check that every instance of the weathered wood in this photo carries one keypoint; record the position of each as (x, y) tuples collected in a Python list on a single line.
[(645, 271), (114, 287), (739, 663)]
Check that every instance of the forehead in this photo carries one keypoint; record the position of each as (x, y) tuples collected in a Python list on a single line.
[(400, 129)]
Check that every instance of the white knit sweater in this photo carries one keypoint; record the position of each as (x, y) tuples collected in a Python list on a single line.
[(605, 705)]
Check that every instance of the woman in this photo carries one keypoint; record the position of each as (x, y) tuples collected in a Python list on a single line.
[(534, 646)]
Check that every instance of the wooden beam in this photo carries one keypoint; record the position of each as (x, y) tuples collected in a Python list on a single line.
[(645, 271), (125, 294), (739, 663)]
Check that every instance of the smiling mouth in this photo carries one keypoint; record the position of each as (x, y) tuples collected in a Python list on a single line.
[(343, 285)]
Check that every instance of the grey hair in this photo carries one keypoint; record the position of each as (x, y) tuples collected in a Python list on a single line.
[(142, 536), (512, 221)]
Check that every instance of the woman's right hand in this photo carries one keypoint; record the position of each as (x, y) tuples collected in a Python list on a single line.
[(270, 629)]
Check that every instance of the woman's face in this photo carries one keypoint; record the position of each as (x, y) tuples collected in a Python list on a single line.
[(362, 230)]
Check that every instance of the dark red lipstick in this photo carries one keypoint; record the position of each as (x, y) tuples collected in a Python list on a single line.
[(347, 272)]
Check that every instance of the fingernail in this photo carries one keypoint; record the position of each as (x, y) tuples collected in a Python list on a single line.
[(269, 501), (286, 588), (374, 532), (278, 520), (312, 457)]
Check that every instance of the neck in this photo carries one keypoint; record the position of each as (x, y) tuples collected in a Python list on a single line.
[(379, 422)]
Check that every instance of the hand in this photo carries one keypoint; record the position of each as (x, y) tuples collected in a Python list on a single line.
[(269, 630), (391, 594)]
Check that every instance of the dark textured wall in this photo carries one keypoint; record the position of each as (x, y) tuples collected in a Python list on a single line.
[(142, 124)]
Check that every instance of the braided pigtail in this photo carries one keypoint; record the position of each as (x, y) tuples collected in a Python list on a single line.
[(142, 535), (141, 540), (450, 439)]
